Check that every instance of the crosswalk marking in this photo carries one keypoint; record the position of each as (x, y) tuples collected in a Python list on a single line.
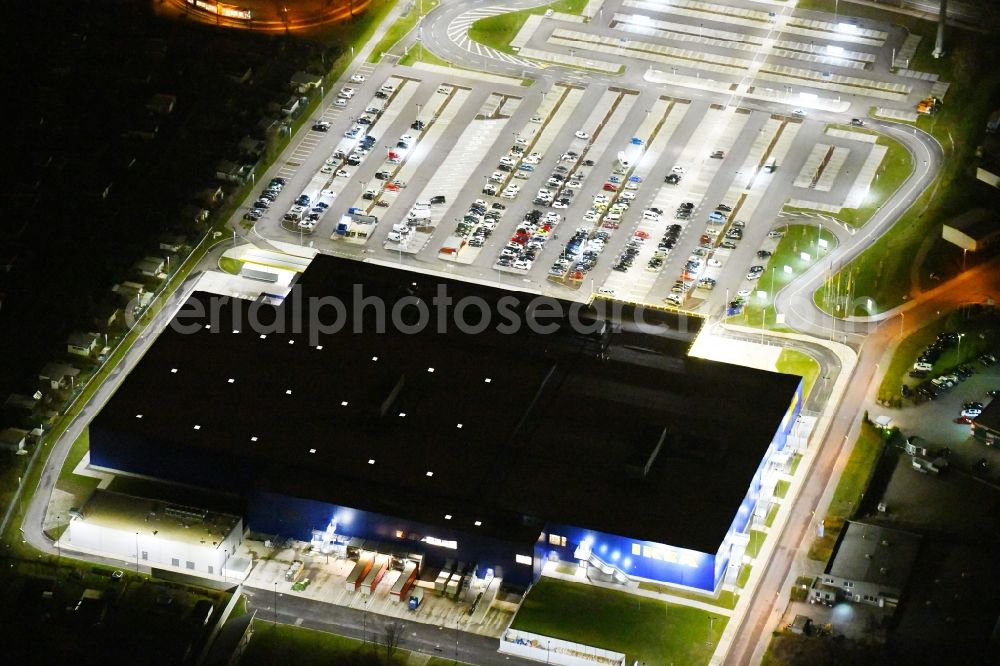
[(458, 30)]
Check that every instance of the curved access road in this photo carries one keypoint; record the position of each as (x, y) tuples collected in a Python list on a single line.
[(796, 300)]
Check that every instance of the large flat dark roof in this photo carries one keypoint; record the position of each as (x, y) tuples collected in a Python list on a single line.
[(619, 432)]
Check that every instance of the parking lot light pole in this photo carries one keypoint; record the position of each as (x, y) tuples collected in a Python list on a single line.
[(275, 603)]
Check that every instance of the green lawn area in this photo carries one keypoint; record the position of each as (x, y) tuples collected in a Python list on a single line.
[(794, 362), (883, 272), (644, 629), (798, 239), (796, 459), (230, 265), (725, 599), (744, 576), (979, 334), (497, 31), (771, 514), (419, 54), (399, 29), (847, 496), (273, 644), (781, 489), (757, 539), (896, 166)]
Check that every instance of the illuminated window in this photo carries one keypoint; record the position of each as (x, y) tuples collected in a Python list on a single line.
[(557, 540), (399, 534), (523, 559), (433, 541), (635, 549)]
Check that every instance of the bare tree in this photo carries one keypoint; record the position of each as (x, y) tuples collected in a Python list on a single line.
[(391, 635)]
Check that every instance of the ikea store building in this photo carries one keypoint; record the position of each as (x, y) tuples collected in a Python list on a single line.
[(584, 437)]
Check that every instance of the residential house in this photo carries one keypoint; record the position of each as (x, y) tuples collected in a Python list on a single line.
[(291, 105), (105, 315), (82, 344), (303, 82), (22, 404), (172, 242), (870, 564), (161, 104), (266, 126), (974, 230), (13, 439), (58, 376), (194, 214), (212, 196), (232, 172), (149, 266), (250, 147), (133, 294)]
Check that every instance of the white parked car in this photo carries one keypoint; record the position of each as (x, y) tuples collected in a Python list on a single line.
[(679, 169), (580, 134), (799, 113), (340, 101), (358, 78), (715, 263), (538, 120), (627, 195)]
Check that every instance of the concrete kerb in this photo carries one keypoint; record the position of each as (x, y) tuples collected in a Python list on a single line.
[(848, 360), (825, 104)]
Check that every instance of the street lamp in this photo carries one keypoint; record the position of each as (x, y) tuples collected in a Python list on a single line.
[(275, 603), (958, 354), (136, 553)]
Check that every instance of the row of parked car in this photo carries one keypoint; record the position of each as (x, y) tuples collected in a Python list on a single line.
[(479, 221), (267, 197), (528, 240)]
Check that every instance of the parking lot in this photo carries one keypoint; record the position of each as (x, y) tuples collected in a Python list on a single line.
[(648, 192)]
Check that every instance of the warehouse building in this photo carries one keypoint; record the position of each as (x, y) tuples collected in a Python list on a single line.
[(582, 437)]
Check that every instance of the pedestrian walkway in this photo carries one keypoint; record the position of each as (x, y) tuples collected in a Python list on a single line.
[(867, 137), (526, 32), (459, 73), (863, 182), (580, 62), (593, 8), (906, 115), (907, 50), (684, 32)]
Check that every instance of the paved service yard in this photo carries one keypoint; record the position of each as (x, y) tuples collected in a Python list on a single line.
[(752, 85), (327, 578)]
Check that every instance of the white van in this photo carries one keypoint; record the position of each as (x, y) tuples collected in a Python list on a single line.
[(769, 165)]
